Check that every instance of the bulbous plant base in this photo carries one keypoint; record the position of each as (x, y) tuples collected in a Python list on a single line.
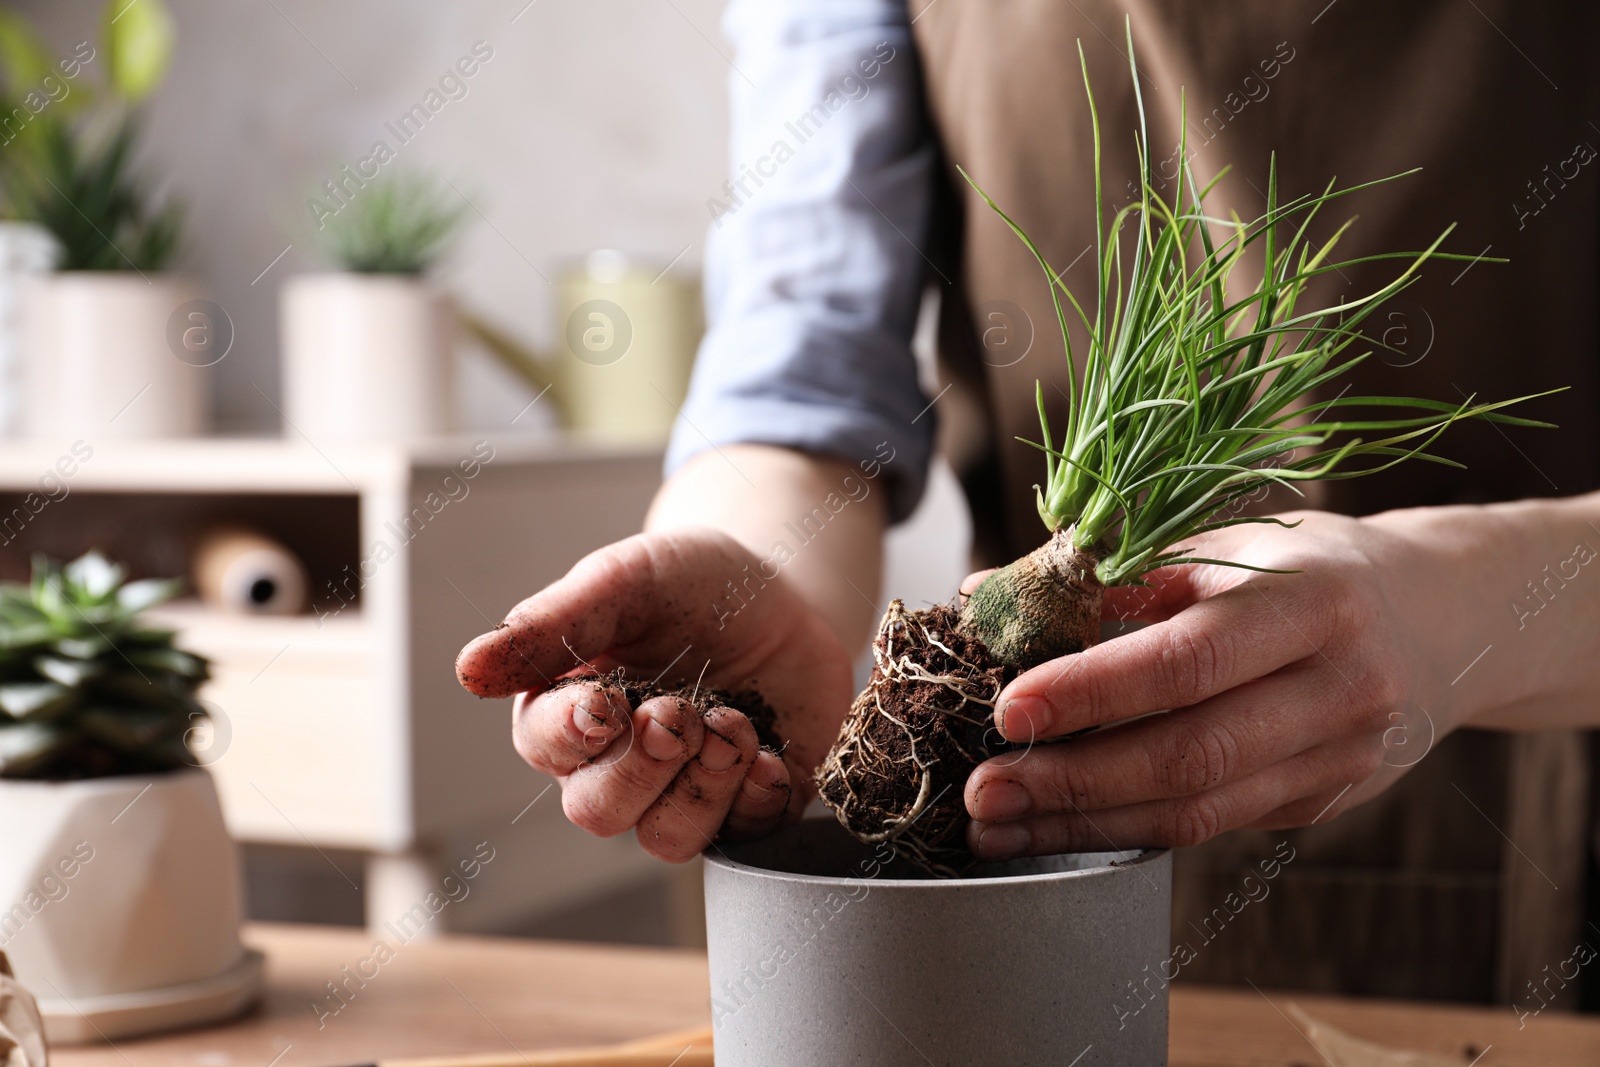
[(913, 737), (1038, 608)]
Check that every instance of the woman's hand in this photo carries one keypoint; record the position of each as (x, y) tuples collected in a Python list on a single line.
[(1292, 697), (677, 771)]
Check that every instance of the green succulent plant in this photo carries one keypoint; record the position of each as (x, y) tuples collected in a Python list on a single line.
[(86, 690), (398, 224)]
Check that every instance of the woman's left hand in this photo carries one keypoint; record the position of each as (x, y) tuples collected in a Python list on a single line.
[(1283, 699)]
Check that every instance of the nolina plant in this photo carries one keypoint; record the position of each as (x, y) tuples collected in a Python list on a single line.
[(1192, 396)]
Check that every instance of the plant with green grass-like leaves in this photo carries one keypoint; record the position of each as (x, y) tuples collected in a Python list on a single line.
[(397, 224), (67, 164), (1193, 395), (86, 689), (1192, 398), (91, 200)]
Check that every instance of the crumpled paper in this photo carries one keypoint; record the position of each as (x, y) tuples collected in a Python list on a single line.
[(1346, 1050), (21, 1028)]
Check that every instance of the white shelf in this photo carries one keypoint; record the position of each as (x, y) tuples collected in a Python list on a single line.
[(275, 465), (351, 731)]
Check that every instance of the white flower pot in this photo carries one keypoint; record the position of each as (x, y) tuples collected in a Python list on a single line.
[(122, 904), (25, 249), (366, 357), (99, 357)]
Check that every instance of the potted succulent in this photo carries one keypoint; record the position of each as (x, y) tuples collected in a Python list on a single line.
[(119, 880), (366, 350), (97, 334), (1194, 393)]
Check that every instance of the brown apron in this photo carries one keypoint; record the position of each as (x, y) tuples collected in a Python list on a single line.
[(1494, 100)]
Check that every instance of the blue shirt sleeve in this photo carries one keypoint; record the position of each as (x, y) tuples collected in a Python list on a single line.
[(813, 268)]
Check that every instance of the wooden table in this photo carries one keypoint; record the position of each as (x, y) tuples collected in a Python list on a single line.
[(462, 994)]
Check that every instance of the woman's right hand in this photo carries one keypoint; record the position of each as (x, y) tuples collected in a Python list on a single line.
[(679, 771)]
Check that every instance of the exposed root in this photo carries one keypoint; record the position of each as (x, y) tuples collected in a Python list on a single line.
[(913, 737)]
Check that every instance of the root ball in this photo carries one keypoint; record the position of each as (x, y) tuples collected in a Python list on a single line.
[(914, 736)]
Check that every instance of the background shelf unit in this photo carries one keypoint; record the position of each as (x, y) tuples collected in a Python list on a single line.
[(344, 728)]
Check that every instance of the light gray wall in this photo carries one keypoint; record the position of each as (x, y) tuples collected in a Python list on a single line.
[(597, 123)]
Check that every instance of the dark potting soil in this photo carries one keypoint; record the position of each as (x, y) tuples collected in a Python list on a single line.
[(748, 701)]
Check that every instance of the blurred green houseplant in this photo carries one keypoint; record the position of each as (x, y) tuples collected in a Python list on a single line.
[(66, 157), (368, 347), (402, 224), (87, 690), (396, 224)]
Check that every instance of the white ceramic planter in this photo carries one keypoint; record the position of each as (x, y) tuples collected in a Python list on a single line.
[(21, 1028), (366, 357), (821, 957), (26, 249), (99, 359), (121, 901)]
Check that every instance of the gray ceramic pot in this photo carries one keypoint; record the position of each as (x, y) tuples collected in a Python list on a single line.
[(822, 957)]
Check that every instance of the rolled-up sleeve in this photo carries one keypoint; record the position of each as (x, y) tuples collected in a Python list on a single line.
[(813, 268)]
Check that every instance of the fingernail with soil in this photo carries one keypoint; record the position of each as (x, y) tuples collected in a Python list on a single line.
[(1003, 841), (659, 742), (595, 720), (754, 791), (717, 755), (1025, 719), (999, 800)]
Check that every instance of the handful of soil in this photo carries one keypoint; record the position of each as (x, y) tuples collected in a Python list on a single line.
[(748, 702), (914, 736)]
